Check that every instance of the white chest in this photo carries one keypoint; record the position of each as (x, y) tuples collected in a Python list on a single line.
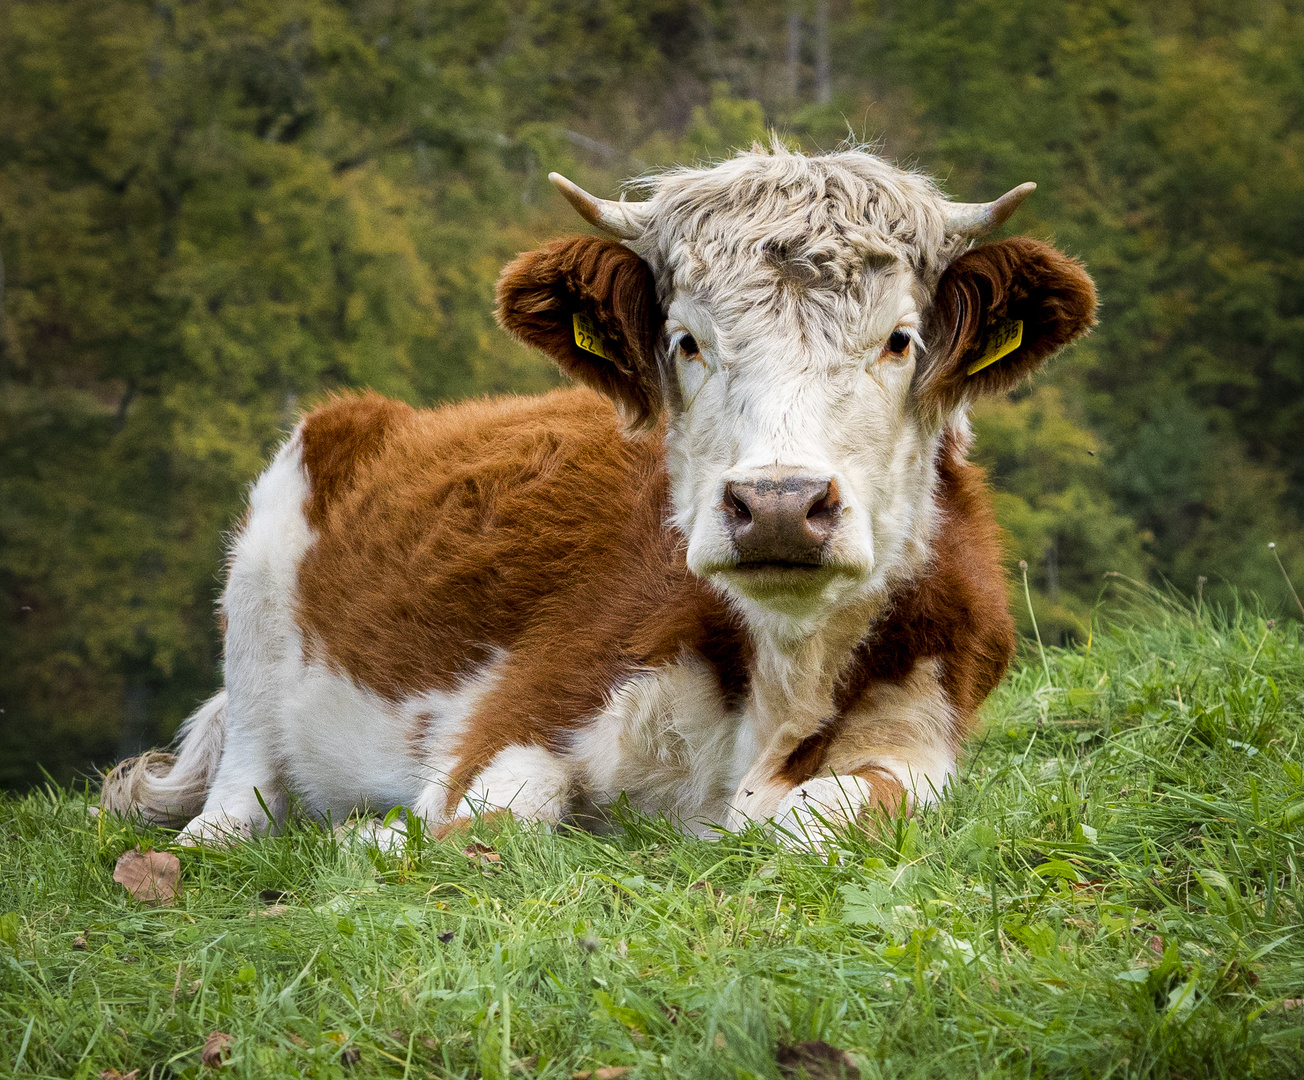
[(668, 741)]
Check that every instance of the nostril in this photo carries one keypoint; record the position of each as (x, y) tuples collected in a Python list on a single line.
[(735, 507), (821, 510), (822, 515)]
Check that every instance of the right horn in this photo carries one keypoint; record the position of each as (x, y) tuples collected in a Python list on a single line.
[(626, 220), (977, 219)]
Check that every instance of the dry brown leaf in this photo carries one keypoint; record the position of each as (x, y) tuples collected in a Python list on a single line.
[(1157, 944), (273, 911), (1292, 1003), (217, 1048), (482, 852), (720, 1041), (113, 1074), (152, 877), (816, 1060), (611, 1072)]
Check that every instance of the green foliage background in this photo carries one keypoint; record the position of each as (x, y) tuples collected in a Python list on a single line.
[(214, 212)]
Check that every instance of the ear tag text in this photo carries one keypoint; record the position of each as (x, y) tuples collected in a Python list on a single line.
[(1006, 338), (588, 338)]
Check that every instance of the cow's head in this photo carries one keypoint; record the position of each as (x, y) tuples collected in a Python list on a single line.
[(807, 327)]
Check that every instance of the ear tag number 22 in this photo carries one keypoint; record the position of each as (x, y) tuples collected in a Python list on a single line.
[(1004, 340), (587, 337)]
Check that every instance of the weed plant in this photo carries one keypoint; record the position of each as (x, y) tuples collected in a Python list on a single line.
[(1112, 888)]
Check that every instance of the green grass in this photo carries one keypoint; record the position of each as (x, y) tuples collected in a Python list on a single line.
[(1113, 890)]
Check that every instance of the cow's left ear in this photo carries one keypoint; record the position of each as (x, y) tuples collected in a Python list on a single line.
[(591, 305), (999, 312)]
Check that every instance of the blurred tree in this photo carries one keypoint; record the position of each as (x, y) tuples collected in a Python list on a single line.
[(214, 212)]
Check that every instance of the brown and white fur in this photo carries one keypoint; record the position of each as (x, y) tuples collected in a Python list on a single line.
[(540, 603)]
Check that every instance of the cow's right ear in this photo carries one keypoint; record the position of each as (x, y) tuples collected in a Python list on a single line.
[(999, 312), (591, 305)]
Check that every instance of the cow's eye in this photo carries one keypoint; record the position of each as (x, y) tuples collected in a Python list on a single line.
[(898, 343), (688, 345)]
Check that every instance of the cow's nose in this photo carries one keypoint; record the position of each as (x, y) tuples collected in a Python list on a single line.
[(784, 519)]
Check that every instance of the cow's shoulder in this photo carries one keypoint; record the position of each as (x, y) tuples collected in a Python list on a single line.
[(956, 609)]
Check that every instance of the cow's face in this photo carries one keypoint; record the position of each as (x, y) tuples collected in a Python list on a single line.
[(805, 331), (801, 470)]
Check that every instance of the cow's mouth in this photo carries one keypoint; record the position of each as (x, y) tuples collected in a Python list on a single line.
[(782, 581), (778, 566)]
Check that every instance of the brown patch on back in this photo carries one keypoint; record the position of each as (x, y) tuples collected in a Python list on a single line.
[(956, 611), (530, 526), (338, 439)]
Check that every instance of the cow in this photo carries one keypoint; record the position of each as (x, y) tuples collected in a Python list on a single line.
[(740, 572)]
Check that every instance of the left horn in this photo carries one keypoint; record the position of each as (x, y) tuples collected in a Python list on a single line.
[(977, 219), (626, 220)]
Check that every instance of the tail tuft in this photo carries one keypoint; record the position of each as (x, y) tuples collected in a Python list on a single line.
[(170, 788)]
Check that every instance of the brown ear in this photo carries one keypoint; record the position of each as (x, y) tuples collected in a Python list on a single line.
[(613, 291), (980, 298)]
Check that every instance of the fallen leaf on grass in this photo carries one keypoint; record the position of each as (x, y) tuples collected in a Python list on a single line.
[(269, 912), (1292, 1003), (611, 1072), (217, 1047), (816, 1060), (152, 877), (476, 851), (113, 1074)]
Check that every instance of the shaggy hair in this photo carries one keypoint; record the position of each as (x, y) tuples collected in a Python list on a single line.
[(819, 221)]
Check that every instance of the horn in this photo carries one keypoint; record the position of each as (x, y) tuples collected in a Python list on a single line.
[(978, 219), (622, 219)]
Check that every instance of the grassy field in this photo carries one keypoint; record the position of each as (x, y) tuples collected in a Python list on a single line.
[(1112, 890)]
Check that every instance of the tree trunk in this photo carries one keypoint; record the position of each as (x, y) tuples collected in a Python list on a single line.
[(792, 61), (823, 73)]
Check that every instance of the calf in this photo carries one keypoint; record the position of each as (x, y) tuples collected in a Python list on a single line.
[(743, 571)]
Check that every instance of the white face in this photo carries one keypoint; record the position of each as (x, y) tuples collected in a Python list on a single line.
[(785, 380)]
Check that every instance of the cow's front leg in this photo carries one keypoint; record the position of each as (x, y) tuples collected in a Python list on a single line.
[(894, 750), (808, 812), (527, 782)]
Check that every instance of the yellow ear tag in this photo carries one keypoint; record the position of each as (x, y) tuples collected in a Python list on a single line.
[(1007, 337), (588, 338)]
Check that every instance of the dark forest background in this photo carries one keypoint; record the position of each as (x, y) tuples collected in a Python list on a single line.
[(214, 212)]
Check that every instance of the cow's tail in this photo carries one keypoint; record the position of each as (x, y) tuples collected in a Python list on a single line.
[(170, 788)]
